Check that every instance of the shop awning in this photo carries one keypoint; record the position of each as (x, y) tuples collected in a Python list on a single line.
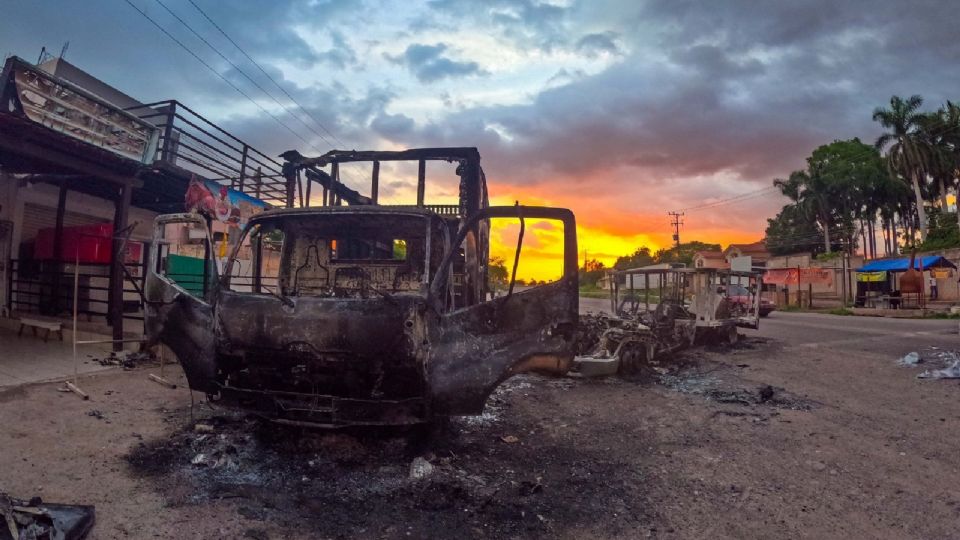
[(901, 265), (871, 277)]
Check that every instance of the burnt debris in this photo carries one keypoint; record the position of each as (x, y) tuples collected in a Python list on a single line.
[(34, 519)]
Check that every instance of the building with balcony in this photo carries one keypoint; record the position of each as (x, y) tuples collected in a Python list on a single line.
[(84, 170)]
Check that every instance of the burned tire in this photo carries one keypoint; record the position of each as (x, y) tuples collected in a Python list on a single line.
[(634, 358), (724, 336), (732, 335)]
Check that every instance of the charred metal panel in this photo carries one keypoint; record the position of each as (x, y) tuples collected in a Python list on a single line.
[(175, 317), (475, 349), (354, 348), (185, 325)]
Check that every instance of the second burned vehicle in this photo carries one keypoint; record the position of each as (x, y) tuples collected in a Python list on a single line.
[(663, 310), (364, 314)]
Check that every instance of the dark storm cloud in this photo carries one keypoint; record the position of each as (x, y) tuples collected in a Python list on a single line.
[(392, 126), (428, 63), (266, 29), (742, 88), (337, 118), (117, 44), (738, 87)]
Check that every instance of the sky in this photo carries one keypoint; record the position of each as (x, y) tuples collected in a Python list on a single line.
[(621, 110)]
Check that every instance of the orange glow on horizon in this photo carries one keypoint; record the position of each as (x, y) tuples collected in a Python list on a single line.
[(605, 231), (605, 239)]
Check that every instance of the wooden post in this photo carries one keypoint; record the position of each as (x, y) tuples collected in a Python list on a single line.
[(843, 280), (161, 379), (74, 386), (375, 182), (115, 303), (421, 181), (799, 290)]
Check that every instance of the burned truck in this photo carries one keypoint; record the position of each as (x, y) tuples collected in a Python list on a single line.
[(660, 311), (357, 313)]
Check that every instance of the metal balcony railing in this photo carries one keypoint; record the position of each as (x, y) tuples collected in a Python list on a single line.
[(191, 143)]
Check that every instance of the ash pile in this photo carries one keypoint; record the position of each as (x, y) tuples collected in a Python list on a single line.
[(489, 476)]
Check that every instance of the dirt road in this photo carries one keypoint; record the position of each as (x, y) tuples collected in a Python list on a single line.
[(845, 443)]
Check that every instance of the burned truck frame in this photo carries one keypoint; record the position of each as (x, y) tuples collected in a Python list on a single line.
[(663, 310), (364, 314), (704, 291)]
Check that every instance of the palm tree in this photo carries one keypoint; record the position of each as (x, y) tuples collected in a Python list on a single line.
[(811, 196), (934, 131), (950, 125), (894, 198), (907, 152)]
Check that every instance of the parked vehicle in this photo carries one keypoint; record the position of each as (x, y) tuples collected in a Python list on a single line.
[(663, 310), (740, 295), (359, 315)]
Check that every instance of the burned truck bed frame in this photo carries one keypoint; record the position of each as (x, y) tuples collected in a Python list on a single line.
[(706, 287), (351, 331), (690, 306)]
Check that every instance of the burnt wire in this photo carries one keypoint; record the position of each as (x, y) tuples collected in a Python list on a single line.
[(516, 256)]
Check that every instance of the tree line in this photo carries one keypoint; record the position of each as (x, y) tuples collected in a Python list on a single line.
[(893, 192), (593, 269)]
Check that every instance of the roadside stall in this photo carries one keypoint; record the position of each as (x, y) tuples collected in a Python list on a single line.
[(878, 282)]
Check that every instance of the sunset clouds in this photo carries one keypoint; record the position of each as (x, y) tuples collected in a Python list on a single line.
[(620, 110)]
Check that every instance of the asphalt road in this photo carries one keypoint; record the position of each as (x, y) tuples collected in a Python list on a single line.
[(889, 337), (842, 333)]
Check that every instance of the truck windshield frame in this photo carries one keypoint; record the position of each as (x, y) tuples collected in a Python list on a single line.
[(389, 252)]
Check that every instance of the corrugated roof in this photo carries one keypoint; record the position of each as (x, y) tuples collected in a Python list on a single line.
[(901, 265)]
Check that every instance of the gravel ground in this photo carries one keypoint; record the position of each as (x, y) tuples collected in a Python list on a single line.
[(776, 437)]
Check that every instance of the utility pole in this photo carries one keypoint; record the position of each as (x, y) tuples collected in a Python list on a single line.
[(676, 223)]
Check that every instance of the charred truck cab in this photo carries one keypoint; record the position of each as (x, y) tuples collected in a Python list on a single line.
[(364, 314)]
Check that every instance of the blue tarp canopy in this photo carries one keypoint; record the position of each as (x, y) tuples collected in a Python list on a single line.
[(901, 265)]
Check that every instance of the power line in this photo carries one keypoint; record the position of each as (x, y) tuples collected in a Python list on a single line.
[(734, 199), (236, 67), (760, 192), (215, 72), (344, 172), (267, 75)]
